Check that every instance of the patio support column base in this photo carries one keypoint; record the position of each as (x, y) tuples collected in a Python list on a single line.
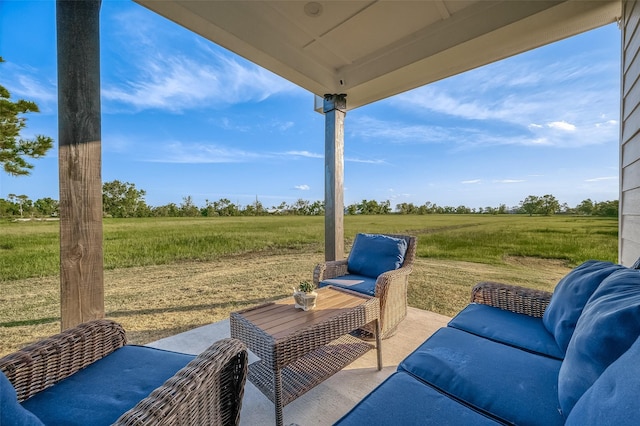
[(334, 108)]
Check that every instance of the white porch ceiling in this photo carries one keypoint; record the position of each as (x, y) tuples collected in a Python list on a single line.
[(370, 50)]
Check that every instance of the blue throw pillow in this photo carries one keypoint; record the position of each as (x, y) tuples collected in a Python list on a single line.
[(613, 398), (569, 297), (372, 255), (11, 412), (608, 326)]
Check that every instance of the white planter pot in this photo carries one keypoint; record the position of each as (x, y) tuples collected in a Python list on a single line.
[(305, 301)]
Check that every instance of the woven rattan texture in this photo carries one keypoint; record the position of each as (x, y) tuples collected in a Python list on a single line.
[(391, 286), (207, 391), (310, 370), (511, 298), (297, 349), (45, 363)]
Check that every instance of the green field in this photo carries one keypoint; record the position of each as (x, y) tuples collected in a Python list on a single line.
[(167, 275), (31, 249)]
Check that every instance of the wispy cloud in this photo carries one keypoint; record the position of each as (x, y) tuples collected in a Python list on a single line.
[(25, 82), (600, 179), (227, 124), (524, 100), (562, 125), (371, 128), (286, 125), (38, 91), (162, 77), (305, 154), (198, 153), (393, 195), (360, 160), (470, 182), (470, 134), (178, 83), (434, 98), (508, 181), (302, 187), (249, 124), (455, 137)]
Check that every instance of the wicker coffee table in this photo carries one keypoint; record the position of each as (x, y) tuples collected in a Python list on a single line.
[(299, 349)]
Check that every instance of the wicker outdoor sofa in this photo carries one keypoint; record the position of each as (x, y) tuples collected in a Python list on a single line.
[(88, 375), (525, 357), (378, 265)]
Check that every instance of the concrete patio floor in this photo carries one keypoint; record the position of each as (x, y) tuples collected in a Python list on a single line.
[(330, 400)]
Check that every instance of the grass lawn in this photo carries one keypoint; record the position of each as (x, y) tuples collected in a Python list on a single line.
[(164, 276)]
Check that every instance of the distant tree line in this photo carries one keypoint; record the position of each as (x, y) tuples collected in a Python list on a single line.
[(545, 205), (22, 206), (123, 199)]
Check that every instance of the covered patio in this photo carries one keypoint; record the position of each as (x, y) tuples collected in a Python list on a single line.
[(347, 54)]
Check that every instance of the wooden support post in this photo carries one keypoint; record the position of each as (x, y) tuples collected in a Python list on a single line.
[(334, 109), (79, 161)]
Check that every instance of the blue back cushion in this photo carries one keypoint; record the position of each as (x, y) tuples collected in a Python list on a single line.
[(372, 255), (613, 398), (11, 412), (569, 297), (608, 326), (106, 389)]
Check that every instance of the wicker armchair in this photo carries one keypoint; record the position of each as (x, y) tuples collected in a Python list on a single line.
[(513, 298), (390, 287), (208, 390)]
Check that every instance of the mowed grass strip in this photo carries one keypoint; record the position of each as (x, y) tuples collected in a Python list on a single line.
[(164, 276)]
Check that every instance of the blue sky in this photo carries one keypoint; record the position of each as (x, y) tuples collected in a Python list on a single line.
[(183, 117)]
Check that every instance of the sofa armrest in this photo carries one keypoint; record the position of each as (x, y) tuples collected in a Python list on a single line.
[(46, 362), (208, 391), (330, 269), (511, 298)]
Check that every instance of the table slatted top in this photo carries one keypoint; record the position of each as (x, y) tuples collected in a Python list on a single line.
[(281, 318)]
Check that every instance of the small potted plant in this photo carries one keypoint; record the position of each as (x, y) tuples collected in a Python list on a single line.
[(305, 296)]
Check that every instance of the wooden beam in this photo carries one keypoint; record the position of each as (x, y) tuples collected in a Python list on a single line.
[(79, 161), (334, 109)]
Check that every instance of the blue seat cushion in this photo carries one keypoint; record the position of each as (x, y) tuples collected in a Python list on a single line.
[(518, 330), (11, 412), (359, 283), (613, 398), (404, 400), (570, 295), (103, 391), (513, 385), (608, 326), (374, 254)]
